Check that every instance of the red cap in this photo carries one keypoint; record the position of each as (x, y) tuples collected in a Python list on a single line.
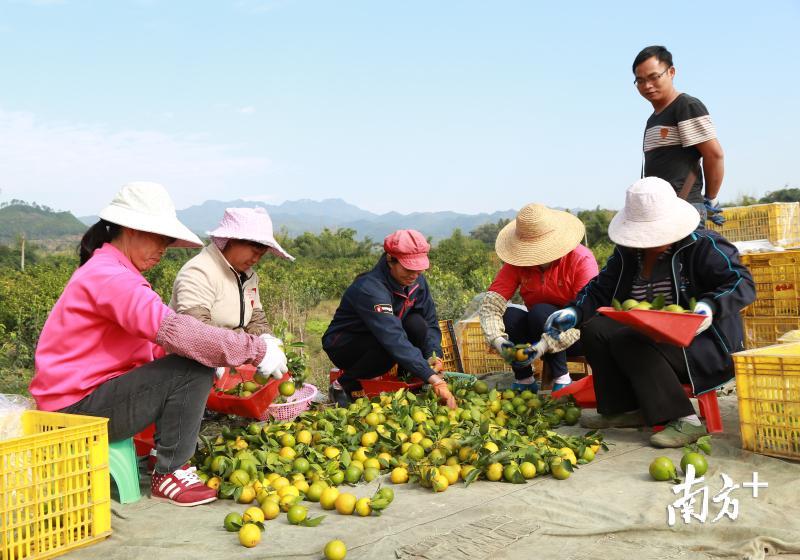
[(409, 247)]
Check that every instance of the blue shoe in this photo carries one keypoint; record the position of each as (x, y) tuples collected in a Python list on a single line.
[(532, 387), (559, 386)]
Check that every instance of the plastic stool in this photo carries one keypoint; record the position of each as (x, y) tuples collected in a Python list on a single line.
[(124, 470), (709, 409)]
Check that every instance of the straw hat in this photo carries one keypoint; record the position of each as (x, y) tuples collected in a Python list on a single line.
[(148, 207), (653, 216), (538, 235), (250, 224)]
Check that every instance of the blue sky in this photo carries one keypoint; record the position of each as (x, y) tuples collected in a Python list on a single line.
[(468, 106)]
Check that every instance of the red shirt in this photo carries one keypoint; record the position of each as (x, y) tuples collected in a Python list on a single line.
[(558, 285)]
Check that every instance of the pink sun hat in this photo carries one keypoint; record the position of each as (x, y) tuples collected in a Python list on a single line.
[(249, 224), (409, 247)]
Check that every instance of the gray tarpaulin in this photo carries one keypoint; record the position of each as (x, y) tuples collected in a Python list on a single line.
[(609, 508)]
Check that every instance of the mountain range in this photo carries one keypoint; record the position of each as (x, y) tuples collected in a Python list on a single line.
[(298, 216)]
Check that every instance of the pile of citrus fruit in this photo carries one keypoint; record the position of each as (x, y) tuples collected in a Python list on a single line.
[(663, 469), (492, 435)]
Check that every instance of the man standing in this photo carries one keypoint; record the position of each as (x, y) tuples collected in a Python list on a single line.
[(678, 135)]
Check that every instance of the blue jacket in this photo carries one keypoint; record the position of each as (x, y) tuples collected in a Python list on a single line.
[(712, 273), (375, 303)]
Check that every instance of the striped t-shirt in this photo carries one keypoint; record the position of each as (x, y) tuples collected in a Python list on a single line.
[(669, 144), (658, 284)]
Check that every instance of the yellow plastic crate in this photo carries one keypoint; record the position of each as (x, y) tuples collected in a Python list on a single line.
[(477, 356), (768, 390), (764, 331), (779, 223), (54, 486), (777, 278), (450, 355)]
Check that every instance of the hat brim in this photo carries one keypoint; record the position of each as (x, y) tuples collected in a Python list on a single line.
[(543, 249), (144, 222), (274, 247), (414, 262), (683, 219)]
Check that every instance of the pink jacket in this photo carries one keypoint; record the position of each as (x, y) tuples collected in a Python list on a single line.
[(109, 321)]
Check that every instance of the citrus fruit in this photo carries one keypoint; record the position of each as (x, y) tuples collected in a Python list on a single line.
[(346, 503), (371, 473), (315, 492), (247, 495), (364, 507), (386, 493), (297, 514), (249, 535), (287, 440), (494, 472), (301, 465), (337, 477), (528, 470), (439, 483), (286, 388), (280, 482), (353, 474), (239, 477), (399, 475), (304, 437), (335, 550), (662, 469), (480, 387), (331, 452), (372, 463), (233, 522), (253, 514), (415, 451), (696, 459), (328, 498), (368, 439), (271, 509), (559, 470)]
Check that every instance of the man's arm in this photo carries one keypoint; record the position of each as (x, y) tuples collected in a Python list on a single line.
[(713, 166)]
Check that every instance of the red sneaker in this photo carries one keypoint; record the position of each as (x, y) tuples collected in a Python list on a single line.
[(182, 488)]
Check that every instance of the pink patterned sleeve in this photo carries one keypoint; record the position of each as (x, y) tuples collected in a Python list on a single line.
[(211, 346)]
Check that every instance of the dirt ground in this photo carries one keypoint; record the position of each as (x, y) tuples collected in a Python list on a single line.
[(608, 509)]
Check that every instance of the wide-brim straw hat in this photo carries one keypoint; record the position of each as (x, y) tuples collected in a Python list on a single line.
[(249, 224), (147, 206), (538, 235), (653, 216)]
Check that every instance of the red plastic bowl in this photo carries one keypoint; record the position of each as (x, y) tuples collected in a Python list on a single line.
[(661, 326), (582, 390), (254, 406), (386, 383)]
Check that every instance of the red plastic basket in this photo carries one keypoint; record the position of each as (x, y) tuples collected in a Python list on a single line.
[(254, 406), (298, 403), (582, 390), (386, 383), (661, 326)]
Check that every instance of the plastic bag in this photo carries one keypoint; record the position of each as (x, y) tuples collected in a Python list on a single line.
[(11, 409)]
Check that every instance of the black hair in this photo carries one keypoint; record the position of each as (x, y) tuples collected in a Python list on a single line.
[(661, 53), (95, 236)]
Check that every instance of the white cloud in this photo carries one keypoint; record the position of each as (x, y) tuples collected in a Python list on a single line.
[(79, 167)]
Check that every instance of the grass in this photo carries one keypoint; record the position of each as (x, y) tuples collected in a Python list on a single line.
[(315, 326)]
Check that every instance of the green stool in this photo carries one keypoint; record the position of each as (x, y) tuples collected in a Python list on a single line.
[(124, 470)]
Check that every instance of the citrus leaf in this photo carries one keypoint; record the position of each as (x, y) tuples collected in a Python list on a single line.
[(312, 521)]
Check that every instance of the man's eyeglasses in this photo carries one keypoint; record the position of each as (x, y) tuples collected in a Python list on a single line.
[(651, 79)]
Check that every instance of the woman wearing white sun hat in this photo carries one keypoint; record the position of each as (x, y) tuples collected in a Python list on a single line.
[(638, 381), (110, 347), (543, 259), (219, 286)]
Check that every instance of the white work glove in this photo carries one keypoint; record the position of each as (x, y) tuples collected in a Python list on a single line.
[(274, 362), (702, 308), (219, 372), (502, 344), (560, 321)]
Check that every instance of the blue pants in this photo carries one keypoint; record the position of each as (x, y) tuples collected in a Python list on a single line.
[(526, 327)]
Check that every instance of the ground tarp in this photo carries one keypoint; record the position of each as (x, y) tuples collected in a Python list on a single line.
[(608, 509)]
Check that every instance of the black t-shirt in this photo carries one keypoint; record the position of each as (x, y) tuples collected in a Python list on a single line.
[(669, 143)]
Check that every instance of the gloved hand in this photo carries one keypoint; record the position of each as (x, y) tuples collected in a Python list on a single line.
[(702, 308), (560, 321), (274, 362), (444, 394), (714, 211), (503, 347), (436, 364), (219, 372), (530, 353)]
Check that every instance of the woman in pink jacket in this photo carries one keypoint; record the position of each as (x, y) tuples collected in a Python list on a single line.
[(110, 347)]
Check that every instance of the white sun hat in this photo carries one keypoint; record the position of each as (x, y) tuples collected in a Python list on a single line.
[(147, 206), (653, 216), (538, 235), (250, 224)]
